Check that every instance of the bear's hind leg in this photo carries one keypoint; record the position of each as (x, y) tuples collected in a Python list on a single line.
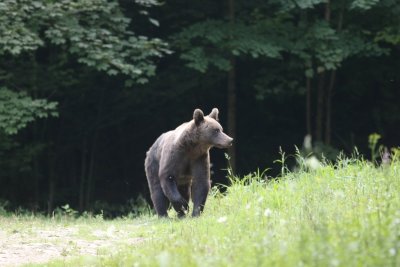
[(160, 201)]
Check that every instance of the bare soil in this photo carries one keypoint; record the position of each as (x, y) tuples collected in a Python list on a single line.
[(40, 246)]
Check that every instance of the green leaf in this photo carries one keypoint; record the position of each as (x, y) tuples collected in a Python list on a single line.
[(309, 73), (154, 22), (17, 109), (96, 32)]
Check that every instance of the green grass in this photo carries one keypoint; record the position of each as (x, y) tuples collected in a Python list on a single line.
[(343, 215)]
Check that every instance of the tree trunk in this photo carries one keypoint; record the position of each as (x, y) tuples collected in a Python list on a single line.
[(35, 134), (332, 79), (320, 107), (90, 176), (52, 162), (329, 108), (232, 93), (321, 98), (93, 150), (52, 181), (328, 10), (232, 112), (83, 176), (308, 106), (52, 189), (36, 175), (124, 151)]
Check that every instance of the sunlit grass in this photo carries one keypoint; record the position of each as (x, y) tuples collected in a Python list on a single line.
[(343, 215)]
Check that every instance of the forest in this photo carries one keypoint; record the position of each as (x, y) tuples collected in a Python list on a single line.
[(86, 87)]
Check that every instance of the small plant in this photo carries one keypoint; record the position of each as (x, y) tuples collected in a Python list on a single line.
[(307, 162), (65, 211), (282, 161), (395, 155), (138, 207), (229, 169), (231, 176), (3, 206), (372, 144)]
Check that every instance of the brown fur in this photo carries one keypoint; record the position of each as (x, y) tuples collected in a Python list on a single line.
[(178, 163)]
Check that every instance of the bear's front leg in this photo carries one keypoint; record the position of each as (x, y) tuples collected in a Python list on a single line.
[(199, 196), (201, 185), (171, 191), (184, 190)]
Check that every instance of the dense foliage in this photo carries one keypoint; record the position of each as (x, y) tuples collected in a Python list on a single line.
[(81, 99)]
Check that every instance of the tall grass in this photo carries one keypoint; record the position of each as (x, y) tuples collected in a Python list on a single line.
[(346, 214)]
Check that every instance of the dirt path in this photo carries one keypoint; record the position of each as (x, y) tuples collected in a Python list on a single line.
[(40, 246)]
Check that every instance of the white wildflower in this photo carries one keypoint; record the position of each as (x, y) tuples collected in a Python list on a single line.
[(312, 163), (267, 213), (164, 259), (98, 233), (222, 219), (111, 231), (335, 262), (392, 252)]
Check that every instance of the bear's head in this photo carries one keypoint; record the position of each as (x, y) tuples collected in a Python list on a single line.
[(209, 131)]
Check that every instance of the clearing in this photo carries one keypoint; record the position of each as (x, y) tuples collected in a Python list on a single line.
[(25, 239), (346, 214)]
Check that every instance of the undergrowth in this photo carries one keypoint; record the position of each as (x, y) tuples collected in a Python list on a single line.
[(343, 214)]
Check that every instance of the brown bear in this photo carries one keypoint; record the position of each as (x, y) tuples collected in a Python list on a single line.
[(178, 164)]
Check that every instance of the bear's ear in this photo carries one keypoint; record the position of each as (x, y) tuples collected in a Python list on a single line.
[(198, 116), (214, 114)]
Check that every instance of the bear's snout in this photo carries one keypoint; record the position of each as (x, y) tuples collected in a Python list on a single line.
[(230, 142), (226, 141)]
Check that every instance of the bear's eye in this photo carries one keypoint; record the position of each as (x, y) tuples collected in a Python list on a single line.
[(216, 130)]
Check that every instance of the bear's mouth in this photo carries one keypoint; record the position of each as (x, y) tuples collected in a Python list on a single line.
[(224, 145)]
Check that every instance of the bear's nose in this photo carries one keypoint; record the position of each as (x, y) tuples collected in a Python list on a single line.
[(230, 142)]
